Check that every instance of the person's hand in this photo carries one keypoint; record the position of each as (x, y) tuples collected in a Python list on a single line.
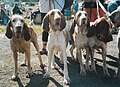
[(107, 1)]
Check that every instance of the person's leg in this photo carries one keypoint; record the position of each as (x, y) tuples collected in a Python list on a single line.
[(94, 14), (112, 6), (44, 39), (42, 16), (31, 19)]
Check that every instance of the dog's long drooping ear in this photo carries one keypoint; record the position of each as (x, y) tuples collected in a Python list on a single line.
[(103, 32), (91, 31), (26, 34), (63, 22), (46, 23), (9, 33), (88, 23), (72, 28)]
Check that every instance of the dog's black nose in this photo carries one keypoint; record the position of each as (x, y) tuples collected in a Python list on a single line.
[(84, 19), (18, 27), (58, 19)]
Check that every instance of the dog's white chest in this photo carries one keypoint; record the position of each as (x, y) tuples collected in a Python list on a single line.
[(81, 40), (56, 39)]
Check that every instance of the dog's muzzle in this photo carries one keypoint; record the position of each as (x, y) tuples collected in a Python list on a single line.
[(19, 29), (84, 21), (18, 32), (57, 24)]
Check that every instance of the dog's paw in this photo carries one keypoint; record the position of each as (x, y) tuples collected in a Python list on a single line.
[(61, 61), (29, 75), (116, 76), (73, 58), (83, 72), (46, 75), (93, 71), (93, 68), (106, 75), (42, 66), (23, 64), (53, 66), (87, 67), (14, 77), (67, 81)]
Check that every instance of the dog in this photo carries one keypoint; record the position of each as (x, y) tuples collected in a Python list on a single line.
[(80, 26), (98, 36), (54, 23), (114, 17), (20, 36)]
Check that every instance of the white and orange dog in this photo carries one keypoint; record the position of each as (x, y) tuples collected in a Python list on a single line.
[(54, 23), (21, 36), (80, 40)]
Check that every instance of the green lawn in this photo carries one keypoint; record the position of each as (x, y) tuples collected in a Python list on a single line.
[(2, 28), (37, 28)]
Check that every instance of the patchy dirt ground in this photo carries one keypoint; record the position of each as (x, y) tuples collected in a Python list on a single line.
[(56, 79)]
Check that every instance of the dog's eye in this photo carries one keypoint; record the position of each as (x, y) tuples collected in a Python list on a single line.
[(59, 13), (13, 20), (52, 13), (85, 14), (22, 21), (79, 14)]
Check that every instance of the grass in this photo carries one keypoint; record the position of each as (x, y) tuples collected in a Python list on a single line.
[(2, 28), (37, 28)]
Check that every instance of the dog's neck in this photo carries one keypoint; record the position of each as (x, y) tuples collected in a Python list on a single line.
[(18, 36), (54, 29), (82, 30)]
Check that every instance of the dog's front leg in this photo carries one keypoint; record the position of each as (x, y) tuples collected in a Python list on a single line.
[(50, 56), (71, 51), (35, 43), (61, 57), (82, 69), (66, 76), (93, 68), (53, 61), (27, 56), (105, 70), (15, 75), (118, 72), (117, 75), (87, 60)]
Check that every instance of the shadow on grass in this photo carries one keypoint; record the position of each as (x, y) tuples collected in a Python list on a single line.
[(39, 81), (90, 80), (111, 63), (20, 84)]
